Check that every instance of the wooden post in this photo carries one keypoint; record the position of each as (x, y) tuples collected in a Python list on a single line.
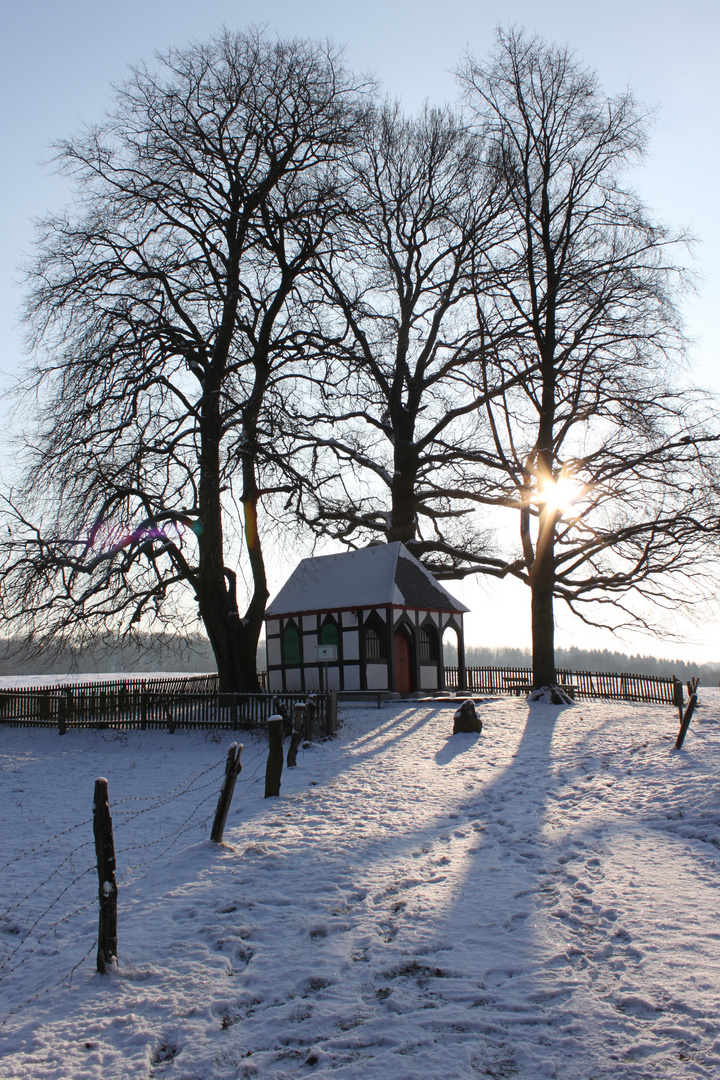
[(62, 726), (678, 697), (331, 707), (107, 886), (296, 734), (143, 710), (686, 721), (232, 768), (273, 770), (309, 724)]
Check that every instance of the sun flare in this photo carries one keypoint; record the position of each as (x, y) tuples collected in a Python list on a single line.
[(559, 495)]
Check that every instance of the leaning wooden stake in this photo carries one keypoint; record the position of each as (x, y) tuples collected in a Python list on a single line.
[(232, 768), (686, 721), (273, 770), (107, 886)]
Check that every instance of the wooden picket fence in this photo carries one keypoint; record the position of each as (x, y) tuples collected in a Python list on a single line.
[(189, 703), (585, 684)]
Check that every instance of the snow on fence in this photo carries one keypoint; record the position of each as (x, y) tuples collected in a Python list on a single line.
[(132, 705), (583, 684)]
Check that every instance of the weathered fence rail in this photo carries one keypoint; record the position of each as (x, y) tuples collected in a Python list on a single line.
[(585, 684), (131, 705)]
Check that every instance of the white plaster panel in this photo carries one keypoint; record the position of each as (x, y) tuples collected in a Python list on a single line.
[(351, 648), (349, 618), (275, 680), (292, 678), (428, 677), (333, 678), (377, 677), (273, 651), (312, 678), (352, 678), (272, 626)]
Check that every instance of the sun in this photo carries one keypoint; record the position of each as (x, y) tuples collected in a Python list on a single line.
[(559, 495)]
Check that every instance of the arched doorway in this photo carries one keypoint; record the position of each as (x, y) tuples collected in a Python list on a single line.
[(402, 657), (450, 658)]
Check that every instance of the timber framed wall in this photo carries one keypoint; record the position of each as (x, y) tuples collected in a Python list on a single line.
[(365, 641)]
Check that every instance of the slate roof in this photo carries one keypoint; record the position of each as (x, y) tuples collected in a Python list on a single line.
[(378, 576)]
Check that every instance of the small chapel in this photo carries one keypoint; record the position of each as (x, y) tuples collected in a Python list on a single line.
[(367, 620)]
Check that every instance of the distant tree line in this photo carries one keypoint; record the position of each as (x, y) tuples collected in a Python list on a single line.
[(146, 652), (277, 303), (589, 660)]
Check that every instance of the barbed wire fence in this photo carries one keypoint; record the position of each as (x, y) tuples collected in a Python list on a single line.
[(52, 924), (55, 922)]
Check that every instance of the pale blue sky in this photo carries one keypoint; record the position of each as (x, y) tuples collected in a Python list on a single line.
[(58, 58)]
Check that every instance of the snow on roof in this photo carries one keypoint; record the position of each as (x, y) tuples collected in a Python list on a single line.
[(372, 577)]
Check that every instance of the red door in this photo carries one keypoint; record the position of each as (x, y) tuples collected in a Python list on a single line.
[(403, 663)]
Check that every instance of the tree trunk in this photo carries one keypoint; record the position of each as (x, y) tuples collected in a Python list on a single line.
[(542, 585), (234, 641), (403, 516), (403, 519)]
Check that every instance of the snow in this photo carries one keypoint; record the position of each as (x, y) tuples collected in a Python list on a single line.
[(537, 901), (27, 682)]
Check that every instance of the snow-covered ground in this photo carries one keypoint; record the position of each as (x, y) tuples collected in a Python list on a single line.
[(10, 682), (537, 901)]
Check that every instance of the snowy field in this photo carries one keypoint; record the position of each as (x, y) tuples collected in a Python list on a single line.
[(25, 682), (538, 901)]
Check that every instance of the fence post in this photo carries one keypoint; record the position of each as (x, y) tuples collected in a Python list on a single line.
[(143, 709), (232, 768), (273, 770), (678, 697), (62, 726), (686, 721), (107, 886), (331, 711)]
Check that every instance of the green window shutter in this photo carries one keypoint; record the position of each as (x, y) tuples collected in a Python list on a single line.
[(291, 646)]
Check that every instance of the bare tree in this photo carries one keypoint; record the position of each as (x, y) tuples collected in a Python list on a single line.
[(165, 309), (397, 420), (607, 462)]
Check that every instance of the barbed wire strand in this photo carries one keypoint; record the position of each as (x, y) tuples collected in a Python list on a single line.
[(186, 782), (44, 843), (175, 832), (44, 913), (125, 822), (42, 937), (58, 868), (64, 979)]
